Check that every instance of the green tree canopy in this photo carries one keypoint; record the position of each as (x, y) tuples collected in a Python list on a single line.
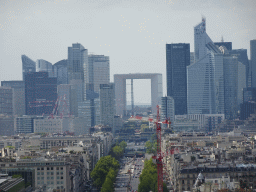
[(102, 168)]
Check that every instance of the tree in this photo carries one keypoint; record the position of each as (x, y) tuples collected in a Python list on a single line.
[(123, 145), (151, 147), (117, 152), (102, 168), (108, 183)]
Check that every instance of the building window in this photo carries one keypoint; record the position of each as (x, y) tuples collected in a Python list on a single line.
[(61, 177), (48, 168), (182, 181), (61, 168), (38, 173), (42, 173), (51, 168), (38, 168), (57, 173), (57, 168), (38, 178), (51, 173)]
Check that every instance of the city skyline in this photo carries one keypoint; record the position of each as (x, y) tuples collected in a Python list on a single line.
[(49, 27)]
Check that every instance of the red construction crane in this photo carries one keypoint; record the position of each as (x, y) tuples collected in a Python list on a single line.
[(159, 155)]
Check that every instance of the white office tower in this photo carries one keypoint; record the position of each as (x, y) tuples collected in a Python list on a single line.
[(167, 110), (44, 66), (205, 83)]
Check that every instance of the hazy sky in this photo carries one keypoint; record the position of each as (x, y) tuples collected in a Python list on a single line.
[(132, 32)]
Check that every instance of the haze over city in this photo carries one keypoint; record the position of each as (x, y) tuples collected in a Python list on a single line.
[(132, 33)]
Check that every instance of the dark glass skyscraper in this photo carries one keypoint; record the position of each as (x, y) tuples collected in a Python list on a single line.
[(40, 93), (253, 62), (177, 59), (243, 58), (61, 71)]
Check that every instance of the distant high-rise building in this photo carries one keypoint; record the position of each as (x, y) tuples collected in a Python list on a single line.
[(241, 82), (230, 69), (107, 104), (167, 109), (249, 94), (24, 124), (98, 71), (78, 66), (253, 61), (40, 93), (228, 45), (192, 57), (177, 59), (243, 58), (205, 83), (44, 66), (6, 100), (248, 106), (18, 95), (28, 65), (6, 125), (61, 71)]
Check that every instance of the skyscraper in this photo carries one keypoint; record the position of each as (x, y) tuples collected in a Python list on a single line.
[(98, 71), (6, 101), (241, 82), (205, 83), (167, 109), (243, 58), (78, 65), (18, 95), (177, 59), (28, 65), (253, 61), (61, 71), (40, 93), (230, 70), (228, 45), (107, 104), (44, 66)]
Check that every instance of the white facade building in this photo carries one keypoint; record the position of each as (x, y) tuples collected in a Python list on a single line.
[(48, 125), (205, 91)]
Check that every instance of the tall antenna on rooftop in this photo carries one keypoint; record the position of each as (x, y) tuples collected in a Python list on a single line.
[(222, 40)]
